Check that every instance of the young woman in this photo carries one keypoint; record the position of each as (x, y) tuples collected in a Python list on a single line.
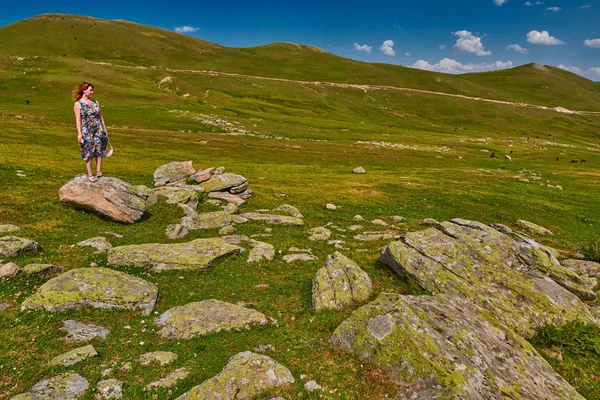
[(91, 129)]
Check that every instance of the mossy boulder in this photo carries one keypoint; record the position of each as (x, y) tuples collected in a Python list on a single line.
[(209, 220), (197, 254), (12, 246), (158, 357), (200, 318), (65, 386), (180, 194), (42, 269), (94, 287), (273, 218), (341, 282), (245, 376), (512, 276), (443, 346), (74, 356), (530, 227), (173, 172), (78, 331), (260, 251), (223, 181), (289, 209)]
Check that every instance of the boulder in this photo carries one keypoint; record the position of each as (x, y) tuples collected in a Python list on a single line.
[(8, 228), (530, 227), (245, 376), (219, 171), (110, 197), (260, 251), (444, 346), (169, 380), (179, 195), (222, 182), (341, 282), (109, 389), (80, 332), (290, 258), (9, 270), (176, 231), (202, 175), (369, 236), (583, 267), (319, 233), (359, 170), (246, 194), (209, 220), (200, 318), (74, 356), (227, 230), (173, 172), (99, 243), (288, 209), (65, 386), (197, 254), (45, 270), (228, 197), (158, 357), (273, 218), (94, 287), (516, 280), (12, 246), (331, 207), (241, 188)]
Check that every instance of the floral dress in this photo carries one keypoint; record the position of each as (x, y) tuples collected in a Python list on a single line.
[(92, 131)]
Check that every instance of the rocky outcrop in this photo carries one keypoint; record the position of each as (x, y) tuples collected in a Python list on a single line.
[(94, 287), (197, 254), (99, 243), (518, 281), (202, 175), (341, 282), (444, 347), (200, 318), (224, 181), (186, 194), (110, 197), (67, 385), (173, 172), (273, 218), (45, 270), (245, 376), (260, 251), (80, 332), (74, 356), (12, 246)]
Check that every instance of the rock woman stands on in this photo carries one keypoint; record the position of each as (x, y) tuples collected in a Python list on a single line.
[(91, 129)]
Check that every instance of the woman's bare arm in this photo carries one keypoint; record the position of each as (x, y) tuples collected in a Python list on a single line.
[(77, 110), (102, 118)]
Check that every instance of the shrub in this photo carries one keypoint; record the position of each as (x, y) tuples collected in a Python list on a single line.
[(592, 251)]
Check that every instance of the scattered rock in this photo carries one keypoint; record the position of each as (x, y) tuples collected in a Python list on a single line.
[(530, 227), (311, 386), (202, 175), (113, 234), (99, 243), (291, 210), (241, 188), (397, 218), (111, 197), (197, 254), (227, 230), (12, 246), (9, 270), (209, 220), (299, 250), (330, 206), (200, 318), (235, 239), (173, 172), (160, 357), (80, 332), (430, 222), (46, 270), (264, 348), (95, 287), (357, 218), (4, 306), (109, 389), (67, 385), (228, 197), (260, 251), (222, 182), (245, 376), (319, 233), (369, 236), (169, 380), (176, 231), (7, 228), (583, 267), (219, 171), (341, 282), (246, 194), (273, 218), (355, 227), (379, 222), (359, 170), (179, 195), (74, 356), (290, 258)]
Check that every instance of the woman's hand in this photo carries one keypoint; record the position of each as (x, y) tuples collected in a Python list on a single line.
[(80, 138)]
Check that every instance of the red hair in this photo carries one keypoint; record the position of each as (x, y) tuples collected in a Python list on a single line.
[(78, 94)]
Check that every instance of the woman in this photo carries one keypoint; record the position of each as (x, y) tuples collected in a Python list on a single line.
[(91, 129)]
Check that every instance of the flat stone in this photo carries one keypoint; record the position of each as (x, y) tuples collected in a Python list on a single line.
[(355, 227), (219, 171), (99, 243), (341, 282), (173, 172), (223, 181), (169, 380), (530, 227), (319, 233), (78, 331), (246, 194), (12, 246), (330, 206), (158, 357), (94, 287), (241, 188), (290, 210), (4, 306), (74, 356), (260, 251), (311, 386), (109, 389), (583, 267), (9, 270), (369, 236), (200, 318), (430, 222), (46, 270), (8, 228), (65, 386), (273, 218), (197, 254), (227, 230), (299, 250), (290, 258), (179, 195), (228, 197), (245, 376), (202, 175), (176, 231), (209, 220), (235, 239), (443, 346), (379, 222), (359, 170), (357, 218)]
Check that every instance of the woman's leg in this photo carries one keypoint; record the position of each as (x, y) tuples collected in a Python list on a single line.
[(88, 166), (98, 166)]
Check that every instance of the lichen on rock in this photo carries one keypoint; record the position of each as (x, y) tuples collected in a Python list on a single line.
[(65, 386), (12, 246)]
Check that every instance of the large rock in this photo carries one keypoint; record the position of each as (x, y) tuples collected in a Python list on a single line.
[(273, 218), (200, 318), (9, 270), (260, 251), (45, 270), (94, 287), (81, 332), (179, 195), (443, 347), (12, 246), (197, 254), (74, 356), (583, 267), (209, 220), (530, 227), (341, 282), (173, 172), (245, 376), (111, 197), (512, 276), (65, 386), (223, 181)]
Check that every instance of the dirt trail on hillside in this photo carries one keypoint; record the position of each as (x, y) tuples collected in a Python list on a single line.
[(365, 88)]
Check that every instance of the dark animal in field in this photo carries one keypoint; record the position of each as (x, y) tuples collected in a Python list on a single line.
[(582, 161), (556, 158), (493, 155), (574, 161), (511, 152)]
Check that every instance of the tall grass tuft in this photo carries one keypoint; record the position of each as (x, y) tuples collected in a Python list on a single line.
[(573, 338), (592, 250)]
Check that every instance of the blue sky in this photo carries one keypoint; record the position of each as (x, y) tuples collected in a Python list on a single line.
[(446, 36)]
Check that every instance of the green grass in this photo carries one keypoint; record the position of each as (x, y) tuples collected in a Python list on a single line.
[(303, 140)]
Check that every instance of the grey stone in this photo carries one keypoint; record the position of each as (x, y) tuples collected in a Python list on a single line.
[(200, 318), (219, 171), (9, 270), (245, 376), (176, 231), (65, 386), (179, 195), (260, 251), (169, 380), (355, 227), (95, 287), (530, 227), (369, 236), (311, 386), (379, 222), (246, 194), (330, 206), (290, 258), (78, 331), (46, 270), (159, 357), (357, 218), (359, 170), (99, 243), (227, 230), (290, 210), (235, 239), (228, 197), (12, 246), (8, 228), (197, 254), (273, 218), (4, 306), (109, 389), (222, 182), (319, 233), (173, 172), (209, 220), (583, 267), (202, 175), (241, 188), (74, 356)]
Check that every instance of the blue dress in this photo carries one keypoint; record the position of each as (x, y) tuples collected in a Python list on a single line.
[(94, 135)]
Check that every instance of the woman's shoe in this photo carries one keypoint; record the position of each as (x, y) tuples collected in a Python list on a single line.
[(98, 174), (92, 178)]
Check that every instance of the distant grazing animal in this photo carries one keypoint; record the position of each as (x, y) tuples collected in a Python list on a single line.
[(556, 158), (511, 152), (493, 155), (582, 161), (574, 161), (507, 157)]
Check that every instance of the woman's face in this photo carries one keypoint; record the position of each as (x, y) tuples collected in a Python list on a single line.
[(89, 91)]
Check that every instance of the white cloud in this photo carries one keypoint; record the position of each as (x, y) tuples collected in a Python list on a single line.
[(442, 46), (517, 48), (407, 54), (388, 48), (529, 3), (542, 37), (555, 9), (592, 42), (575, 70), (592, 73), (366, 48), (470, 44), (500, 2), (450, 66), (586, 6), (186, 29)]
